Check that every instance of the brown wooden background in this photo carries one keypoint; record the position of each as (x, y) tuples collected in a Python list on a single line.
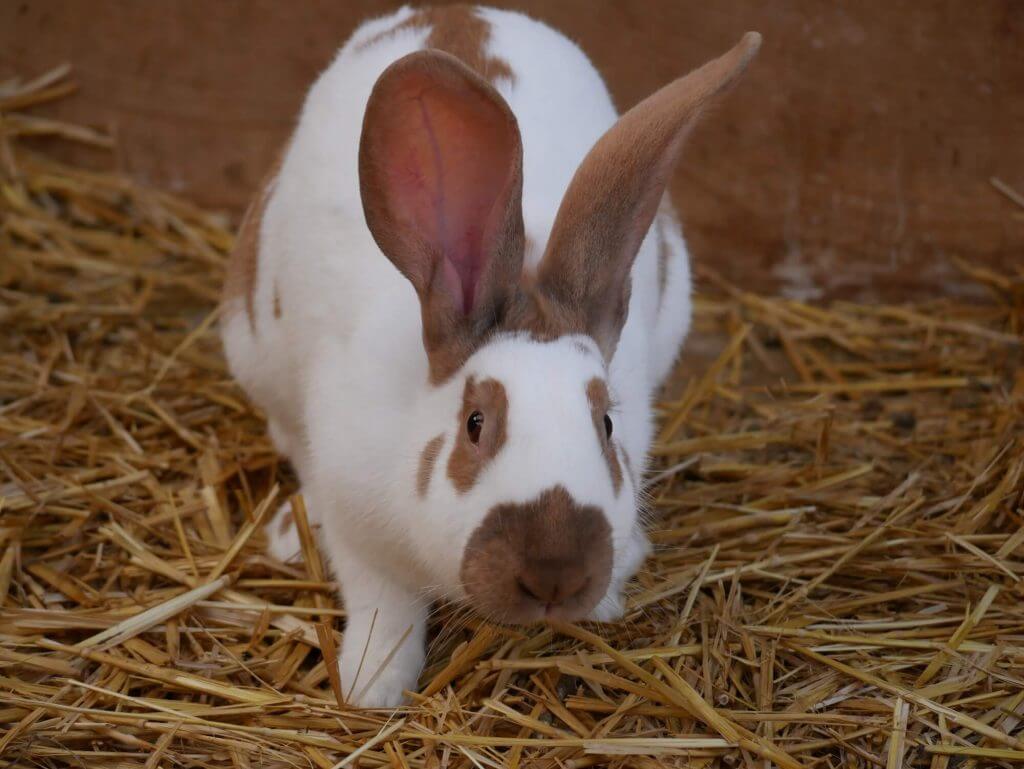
[(854, 160)]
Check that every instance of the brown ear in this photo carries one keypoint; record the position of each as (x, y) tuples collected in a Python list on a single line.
[(612, 199), (440, 173)]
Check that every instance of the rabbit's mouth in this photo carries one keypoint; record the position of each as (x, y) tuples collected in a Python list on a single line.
[(547, 559)]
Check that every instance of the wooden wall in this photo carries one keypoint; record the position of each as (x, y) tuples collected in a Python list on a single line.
[(855, 159)]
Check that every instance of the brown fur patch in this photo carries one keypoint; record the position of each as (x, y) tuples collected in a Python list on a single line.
[(277, 302), (458, 30), (663, 222), (600, 402), (547, 557), (428, 457), (525, 309), (469, 459), (664, 254), (241, 273)]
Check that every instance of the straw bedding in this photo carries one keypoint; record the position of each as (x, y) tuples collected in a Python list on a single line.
[(838, 513)]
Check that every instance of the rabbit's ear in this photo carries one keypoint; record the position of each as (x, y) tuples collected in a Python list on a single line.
[(612, 199), (441, 178)]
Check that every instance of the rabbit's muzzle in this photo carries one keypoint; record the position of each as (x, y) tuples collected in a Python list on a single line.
[(549, 558)]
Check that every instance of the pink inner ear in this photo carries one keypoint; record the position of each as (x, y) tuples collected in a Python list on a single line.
[(450, 162)]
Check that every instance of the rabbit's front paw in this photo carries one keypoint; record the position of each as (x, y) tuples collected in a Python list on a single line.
[(610, 608), (613, 606), (382, 650), (386, 690), (283, 535)]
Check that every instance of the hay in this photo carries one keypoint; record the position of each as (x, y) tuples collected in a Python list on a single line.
[(839, 524)]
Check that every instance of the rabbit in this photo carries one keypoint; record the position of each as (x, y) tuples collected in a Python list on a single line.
[(454, 298)]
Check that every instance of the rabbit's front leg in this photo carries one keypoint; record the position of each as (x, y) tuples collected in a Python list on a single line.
[(382, 651), (634, 553)]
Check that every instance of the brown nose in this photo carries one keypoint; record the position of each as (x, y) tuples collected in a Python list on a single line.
[(550, 581), (547, 558)]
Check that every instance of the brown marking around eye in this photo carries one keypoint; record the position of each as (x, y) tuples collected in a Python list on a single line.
[(428, 457), (457, 29), (597, 394), (277, 302), (469, 459)]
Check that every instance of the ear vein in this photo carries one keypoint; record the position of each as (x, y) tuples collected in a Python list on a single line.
[(435, 151)]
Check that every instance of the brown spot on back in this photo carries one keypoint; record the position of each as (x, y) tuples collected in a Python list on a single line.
[(459, 30), (469, 459), (428, 457), (277, 301), (600, 402), (664, 253), (547, 557), (241, 273), (663, 222)]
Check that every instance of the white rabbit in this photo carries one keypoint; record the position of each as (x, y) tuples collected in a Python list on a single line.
[(452, 305)]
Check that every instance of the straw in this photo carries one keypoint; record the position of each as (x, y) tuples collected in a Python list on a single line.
[(836, 502)]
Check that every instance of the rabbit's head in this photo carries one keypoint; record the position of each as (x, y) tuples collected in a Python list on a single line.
[(532, 496)]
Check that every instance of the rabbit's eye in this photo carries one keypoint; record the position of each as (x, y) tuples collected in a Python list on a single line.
[(474, 424), (607, 426)]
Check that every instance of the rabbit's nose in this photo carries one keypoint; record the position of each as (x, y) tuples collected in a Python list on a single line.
[(549, 558), (552, 582)]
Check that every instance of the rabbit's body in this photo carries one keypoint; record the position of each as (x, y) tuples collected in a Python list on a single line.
[(327, 336)]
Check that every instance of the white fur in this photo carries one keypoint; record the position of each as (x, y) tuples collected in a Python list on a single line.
[(342, 374)]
